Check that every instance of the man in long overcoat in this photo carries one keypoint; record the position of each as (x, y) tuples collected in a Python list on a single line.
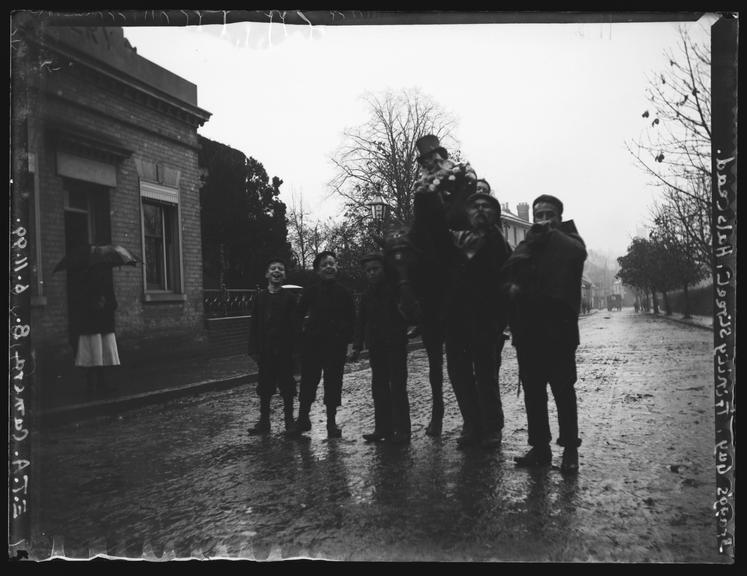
[(475, 311), (544, 285)]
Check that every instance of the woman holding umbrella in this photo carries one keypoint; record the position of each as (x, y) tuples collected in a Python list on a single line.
[(92, 308), (96, 345)]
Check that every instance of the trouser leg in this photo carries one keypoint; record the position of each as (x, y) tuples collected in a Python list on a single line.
[(487, 387), (380, 391), (264, 407), (286, 381), (263, 425), (532, 369), (397, 361), (535, 400), (565, 400), (334, 368), (311, 374), (564, 392), (459, 367), (433, 340)]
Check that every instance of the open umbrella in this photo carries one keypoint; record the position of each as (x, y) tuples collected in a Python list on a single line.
[(108, 255)]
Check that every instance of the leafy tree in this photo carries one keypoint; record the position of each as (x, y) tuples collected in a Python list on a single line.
[(243, 219), (681, 265), (638, 268)]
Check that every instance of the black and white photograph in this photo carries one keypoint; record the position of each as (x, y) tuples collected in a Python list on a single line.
[(372, 286)]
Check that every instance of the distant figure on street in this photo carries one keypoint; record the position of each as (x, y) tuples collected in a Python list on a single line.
[(636, 305), (544, 285), (327, 313), (474, 310), (94, 338), (381, 326), (272, 338)]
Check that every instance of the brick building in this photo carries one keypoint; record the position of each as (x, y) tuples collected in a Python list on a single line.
[(105, 151)]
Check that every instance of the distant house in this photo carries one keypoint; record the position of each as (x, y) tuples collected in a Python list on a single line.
[(515, 226), (105, 147)]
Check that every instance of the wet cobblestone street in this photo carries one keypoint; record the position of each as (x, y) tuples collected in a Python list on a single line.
[(184, 479)]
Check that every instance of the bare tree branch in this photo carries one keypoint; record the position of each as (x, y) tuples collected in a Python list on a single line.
[(380, 158)]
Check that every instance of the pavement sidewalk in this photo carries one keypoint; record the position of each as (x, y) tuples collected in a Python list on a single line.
[(705, 322), (132, 386), (158, 381)]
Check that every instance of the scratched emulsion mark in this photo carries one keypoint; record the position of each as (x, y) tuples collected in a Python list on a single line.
[(258, 33), (724, 62), (20, 369)]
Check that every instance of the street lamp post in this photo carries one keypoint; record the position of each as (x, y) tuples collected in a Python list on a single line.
[(379, 213), (398, 251), (379, 209)]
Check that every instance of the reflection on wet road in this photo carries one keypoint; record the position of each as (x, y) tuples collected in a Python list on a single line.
[(184, 479)]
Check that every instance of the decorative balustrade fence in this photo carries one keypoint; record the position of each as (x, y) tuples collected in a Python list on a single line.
[(227, 303), (235, 302)]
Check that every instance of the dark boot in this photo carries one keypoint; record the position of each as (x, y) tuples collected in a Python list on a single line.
[(569, 463), (398, 437), (537, 456), (437, 416), (263, 426), (492, 439), (332, 430), (303, 423), (469, 436), (375, 436)]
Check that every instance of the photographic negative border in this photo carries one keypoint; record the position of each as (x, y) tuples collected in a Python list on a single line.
[(724, 193)]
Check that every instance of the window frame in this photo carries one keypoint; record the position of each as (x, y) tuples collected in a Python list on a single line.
[(156, 189), (171, 263)]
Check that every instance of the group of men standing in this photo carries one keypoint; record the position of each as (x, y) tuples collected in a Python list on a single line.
[(476, 287)]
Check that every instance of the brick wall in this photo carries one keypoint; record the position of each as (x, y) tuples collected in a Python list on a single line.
[(228, 336), (157, 135)]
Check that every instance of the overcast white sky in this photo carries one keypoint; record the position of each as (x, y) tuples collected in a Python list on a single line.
[(539, 108)]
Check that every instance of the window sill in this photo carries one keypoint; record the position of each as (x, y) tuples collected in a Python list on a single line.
[(156, 297)]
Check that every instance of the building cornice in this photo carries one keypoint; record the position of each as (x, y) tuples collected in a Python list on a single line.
[(138, 126), (117, 81)]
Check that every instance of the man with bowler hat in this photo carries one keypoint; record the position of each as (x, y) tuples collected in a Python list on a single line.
[(544, 287), (475, 311)]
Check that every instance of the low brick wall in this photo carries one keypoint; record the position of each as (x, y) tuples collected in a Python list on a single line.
[(228, 336)]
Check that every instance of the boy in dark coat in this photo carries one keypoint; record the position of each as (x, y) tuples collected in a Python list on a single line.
[(544, 284), (381, 326), (271, 343), (327, 313)]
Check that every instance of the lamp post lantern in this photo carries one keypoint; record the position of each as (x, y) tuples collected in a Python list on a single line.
[(379, 209)]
